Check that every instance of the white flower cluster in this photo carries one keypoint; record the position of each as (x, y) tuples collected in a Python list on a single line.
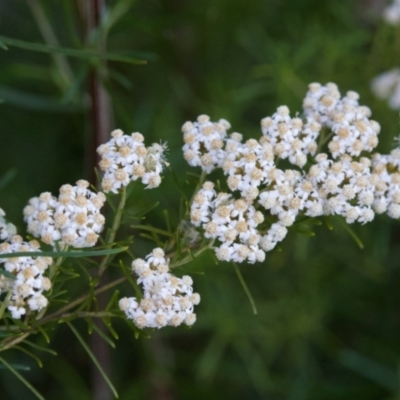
[(291, 138), (343, 181), (72, 219), (125, 158), (233, 222), (353, 131), (391, 14), (204, 141), (29, 281), (386, 86), (386, 178), (7, 229), (167, 300)]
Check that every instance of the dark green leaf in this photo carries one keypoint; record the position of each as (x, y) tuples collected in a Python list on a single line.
[(87, 53), (12, 369), (351, 232), (378, 373), (103, 336), (45, 349), (7, 274), (94, 359), (107, 323), (7, 177), (135, 286), (65, 254), (19, 367), (36, 102), (30, 354), (144, 211), (245, 288)]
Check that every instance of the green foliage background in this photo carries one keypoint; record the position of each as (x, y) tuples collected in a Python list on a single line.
[(328, 312)]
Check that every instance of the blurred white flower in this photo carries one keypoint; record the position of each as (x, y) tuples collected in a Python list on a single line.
[(391, 13), (386, 86)]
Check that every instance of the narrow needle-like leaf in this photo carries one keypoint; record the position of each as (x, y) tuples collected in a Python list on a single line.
[(3, 46), (22, 379), (103, 336), (30, 354), (245, 288), (152, 229), (94, 359), (87, 53), (74, 254), (352, 233)]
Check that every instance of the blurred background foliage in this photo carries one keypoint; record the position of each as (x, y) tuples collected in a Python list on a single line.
[(328, 311)]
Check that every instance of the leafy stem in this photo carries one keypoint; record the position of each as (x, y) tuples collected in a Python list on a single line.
[(114, 228)]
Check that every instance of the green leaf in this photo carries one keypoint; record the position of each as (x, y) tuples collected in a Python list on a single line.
[(328, 223), (305, 220), (3, 46), (302, 231), (152, 239), (7, 177), (152, 229), (30, 354), (86, 53), (177, 184), (120, 78), (104, 336), (351, 233), (94, 359), (58, 294), (7, 274), (21, 324), (19, 367), (107, 323), (42, 331), (211, 357), (66, 271), (114, 300), (380, 374), (245, 288), (45, 349), (73, 90), (21, 378), (90, 325), (33, 101), (4, 303), (136, 331), (129, 278), (167, 220), (99, 179), (144, 211), (65, 254)]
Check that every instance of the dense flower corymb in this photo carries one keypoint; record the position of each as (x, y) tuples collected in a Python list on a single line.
[(29, 281), (72, 219), (167, 299), (125, 159), (342, 180)]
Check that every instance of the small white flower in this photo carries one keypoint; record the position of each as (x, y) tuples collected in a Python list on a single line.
[(29, 283), (167, 300)]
